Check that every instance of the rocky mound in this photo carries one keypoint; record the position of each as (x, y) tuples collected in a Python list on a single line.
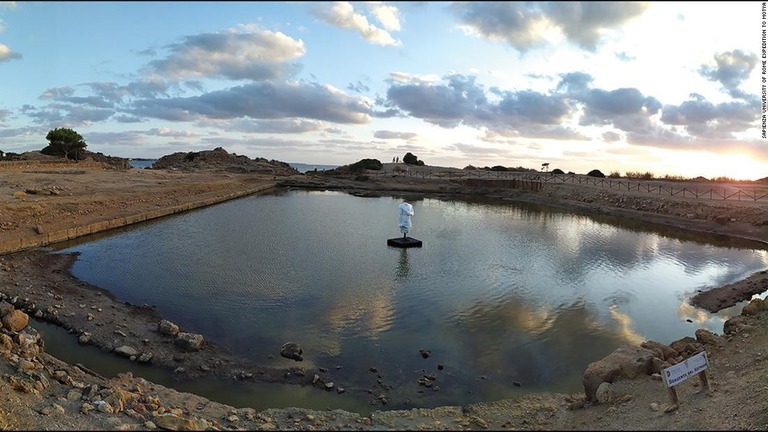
[(220, 159)]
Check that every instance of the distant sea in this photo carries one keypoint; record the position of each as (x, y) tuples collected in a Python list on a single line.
[(142, 163), (302, 168)]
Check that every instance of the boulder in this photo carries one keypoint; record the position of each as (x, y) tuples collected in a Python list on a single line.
[(15, 320), (126, 351), (5, 308), (666, 351), (736, 324), (292, 350), (625, 362), (706, 337), (190, 341), (167, 328), (604, 393), (687, 346), (754, 307)]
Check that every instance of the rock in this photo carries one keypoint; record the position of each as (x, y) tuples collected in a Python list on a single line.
[(666, 350), (292, 350), (754, 307), (687, 346), (145, 357), (84, 339), (736, 324), (126, 351), (604, 393), (190, 341), (167, 328), (175, 423), (627, 362), (15, 320), (6, 343), (425, 353), (706, 337), (5, 308)]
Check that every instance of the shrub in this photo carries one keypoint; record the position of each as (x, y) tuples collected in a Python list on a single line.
[(614, 174), (640, 176), (596, 173), (366, 164), (557, 171), (469, 167), (498, 168)]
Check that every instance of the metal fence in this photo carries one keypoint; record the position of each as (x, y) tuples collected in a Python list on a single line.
[(527, 180)]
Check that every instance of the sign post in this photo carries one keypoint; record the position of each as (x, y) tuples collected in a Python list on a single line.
[(694, 365)]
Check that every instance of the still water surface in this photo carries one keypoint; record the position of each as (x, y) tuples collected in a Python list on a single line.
[(500, 292)]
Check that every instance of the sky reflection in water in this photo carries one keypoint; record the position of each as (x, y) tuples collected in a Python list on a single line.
[(500, 293)]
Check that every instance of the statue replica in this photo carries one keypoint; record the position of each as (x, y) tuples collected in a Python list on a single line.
[(405, 213)]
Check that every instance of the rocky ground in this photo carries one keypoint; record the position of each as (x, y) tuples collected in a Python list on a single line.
[(40, 392)]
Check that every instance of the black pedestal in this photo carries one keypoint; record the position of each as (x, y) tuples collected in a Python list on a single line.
[(403, 242)]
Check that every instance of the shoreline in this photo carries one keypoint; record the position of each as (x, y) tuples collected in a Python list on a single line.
[(56, 285)]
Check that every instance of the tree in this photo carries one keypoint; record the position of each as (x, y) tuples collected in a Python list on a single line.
[(411, 159), (596, 173), (64, 142)]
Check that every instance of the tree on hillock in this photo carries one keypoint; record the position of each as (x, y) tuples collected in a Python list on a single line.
[(64, 142), (411, 159)]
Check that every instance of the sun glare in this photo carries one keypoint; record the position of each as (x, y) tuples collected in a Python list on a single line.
[(735, 166)]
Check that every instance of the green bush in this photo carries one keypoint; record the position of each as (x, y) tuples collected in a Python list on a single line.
[(366, 164), (557, 171), (596, 173)]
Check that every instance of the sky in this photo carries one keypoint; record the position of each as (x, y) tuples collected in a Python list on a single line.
[(670, 88)]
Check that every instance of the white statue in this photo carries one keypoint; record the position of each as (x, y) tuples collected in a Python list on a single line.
[(406, 211)]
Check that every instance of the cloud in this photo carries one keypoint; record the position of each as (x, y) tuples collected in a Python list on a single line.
[(343, 15), (385, 134), (261, 101), (732, 68), (69, 115), (4, 114), (527, 25), (7, 55), (461, 101), (257, 55), (703, 119), (388, 16), (624, 108), (279, 126), (166, 132)]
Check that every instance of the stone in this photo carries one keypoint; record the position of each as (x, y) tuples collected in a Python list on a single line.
[(126, 351), (604, 393), (145, 357), (625, 362), (15, 320), (706, 337), (425, 353), (189, 341), (292, 350), (5, 308), (736, 324), (175, 423), (168, 328), (754, 307), (666, 350)]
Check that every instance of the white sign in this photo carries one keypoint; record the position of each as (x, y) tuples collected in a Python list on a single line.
[(680, 372)]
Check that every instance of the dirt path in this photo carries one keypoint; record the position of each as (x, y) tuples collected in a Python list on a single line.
[(39, 392)]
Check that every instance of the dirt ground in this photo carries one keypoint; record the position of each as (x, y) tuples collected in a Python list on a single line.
[(39, 392)]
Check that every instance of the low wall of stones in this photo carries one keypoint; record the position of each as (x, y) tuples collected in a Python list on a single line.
[(47, 238)]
